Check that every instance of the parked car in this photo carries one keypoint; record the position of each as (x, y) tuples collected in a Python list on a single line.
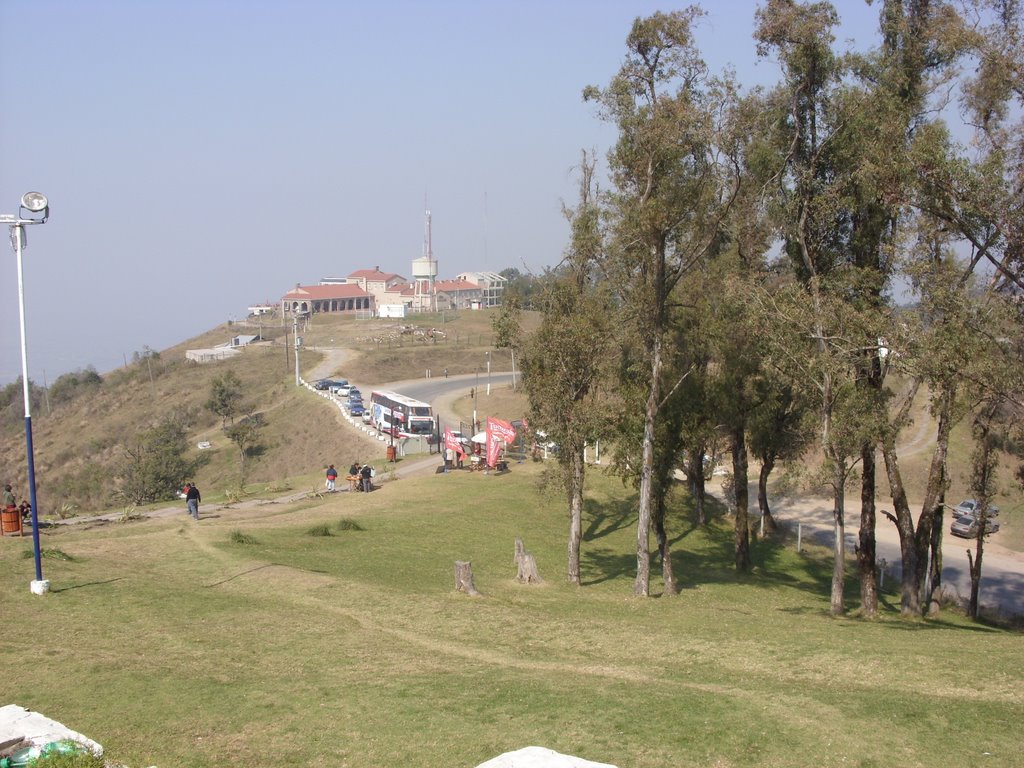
[(967, 527), (971, 508), (356, 409), (323, 384), (340, 387), (354, 392)]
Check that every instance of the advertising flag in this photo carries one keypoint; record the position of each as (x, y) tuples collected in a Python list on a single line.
[(451, 442), (499, 433)]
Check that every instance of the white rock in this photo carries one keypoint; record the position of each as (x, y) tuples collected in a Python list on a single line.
[(539, 757)]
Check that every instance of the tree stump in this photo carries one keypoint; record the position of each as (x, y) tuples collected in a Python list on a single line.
[(464, 578), (526, 565)]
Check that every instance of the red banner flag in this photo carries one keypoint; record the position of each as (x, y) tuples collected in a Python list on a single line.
[(451, 442), (499, 433)]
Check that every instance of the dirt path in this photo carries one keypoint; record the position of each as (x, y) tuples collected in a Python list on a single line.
[(334, 359)]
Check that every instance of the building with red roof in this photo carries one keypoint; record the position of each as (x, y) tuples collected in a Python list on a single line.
[(312, 299)]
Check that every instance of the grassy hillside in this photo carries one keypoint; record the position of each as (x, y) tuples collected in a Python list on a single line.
[(78, 444), (252, 638)]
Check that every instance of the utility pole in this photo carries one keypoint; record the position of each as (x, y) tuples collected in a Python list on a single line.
[(298, 342)]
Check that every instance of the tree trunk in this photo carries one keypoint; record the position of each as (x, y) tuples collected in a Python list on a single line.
[(576, 475), (839, 549), (526, 565), (695, 476), (464, 577), (909, 604), (928, 538), (767, 465), (642, 585), (866, 545), (975, 566), (935, 559), (664, 550), (740, 479)]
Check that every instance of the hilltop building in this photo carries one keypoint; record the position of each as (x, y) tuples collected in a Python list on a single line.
[(492, 286), (365, 291), (346, 298)]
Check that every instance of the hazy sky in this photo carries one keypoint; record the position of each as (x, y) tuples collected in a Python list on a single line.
[(204, 155)]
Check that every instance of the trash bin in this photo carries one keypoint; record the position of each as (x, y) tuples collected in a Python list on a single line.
[(391, 453), (11, 522)]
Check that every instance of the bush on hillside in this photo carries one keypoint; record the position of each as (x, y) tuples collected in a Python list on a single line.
[(154, 465), (70, 385)]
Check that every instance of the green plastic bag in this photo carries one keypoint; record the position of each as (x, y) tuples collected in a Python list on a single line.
[(24, 758)]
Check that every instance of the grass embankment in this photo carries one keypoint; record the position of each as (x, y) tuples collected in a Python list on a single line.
[(253, 639)]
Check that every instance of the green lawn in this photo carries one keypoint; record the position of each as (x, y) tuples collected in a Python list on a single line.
[(176, 644)]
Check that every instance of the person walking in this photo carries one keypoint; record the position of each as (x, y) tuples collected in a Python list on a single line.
[(192, 499), (332, 476)]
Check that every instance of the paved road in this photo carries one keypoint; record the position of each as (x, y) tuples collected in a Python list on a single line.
[(440, 391), (1002, 581)]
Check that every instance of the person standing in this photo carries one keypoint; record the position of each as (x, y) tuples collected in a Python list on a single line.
[(366, 473), (192, 499), (332, 476), (9, 501)]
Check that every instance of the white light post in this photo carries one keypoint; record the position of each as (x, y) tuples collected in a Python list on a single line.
[(35, 209), (296, 340), (488, 373)]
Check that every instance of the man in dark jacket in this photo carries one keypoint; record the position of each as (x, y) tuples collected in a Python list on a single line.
[(367, 474), (192, 499)]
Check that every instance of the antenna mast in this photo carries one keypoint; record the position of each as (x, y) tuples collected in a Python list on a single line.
[(428, 254)]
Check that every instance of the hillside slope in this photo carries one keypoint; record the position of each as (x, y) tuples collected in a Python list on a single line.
[(79, 444)]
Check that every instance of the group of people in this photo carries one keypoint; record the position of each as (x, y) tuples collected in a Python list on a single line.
[(453, 459), (11, 502), (360, 478)]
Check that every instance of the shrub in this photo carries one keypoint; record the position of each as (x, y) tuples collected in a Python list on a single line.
[(155, 463), (347, 524), (237, 537), (70, 385), (52, 553), (319, 530)]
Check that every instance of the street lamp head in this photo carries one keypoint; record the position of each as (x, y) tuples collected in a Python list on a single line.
[(35, 202)]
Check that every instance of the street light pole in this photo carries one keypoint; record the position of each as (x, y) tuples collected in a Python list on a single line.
[(34, 203), (295, 334), (488, 374)]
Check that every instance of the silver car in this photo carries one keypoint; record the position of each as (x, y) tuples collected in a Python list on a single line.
[(971, 508), (966, 527)]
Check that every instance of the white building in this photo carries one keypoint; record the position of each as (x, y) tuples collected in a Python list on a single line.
[(492, 286)]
